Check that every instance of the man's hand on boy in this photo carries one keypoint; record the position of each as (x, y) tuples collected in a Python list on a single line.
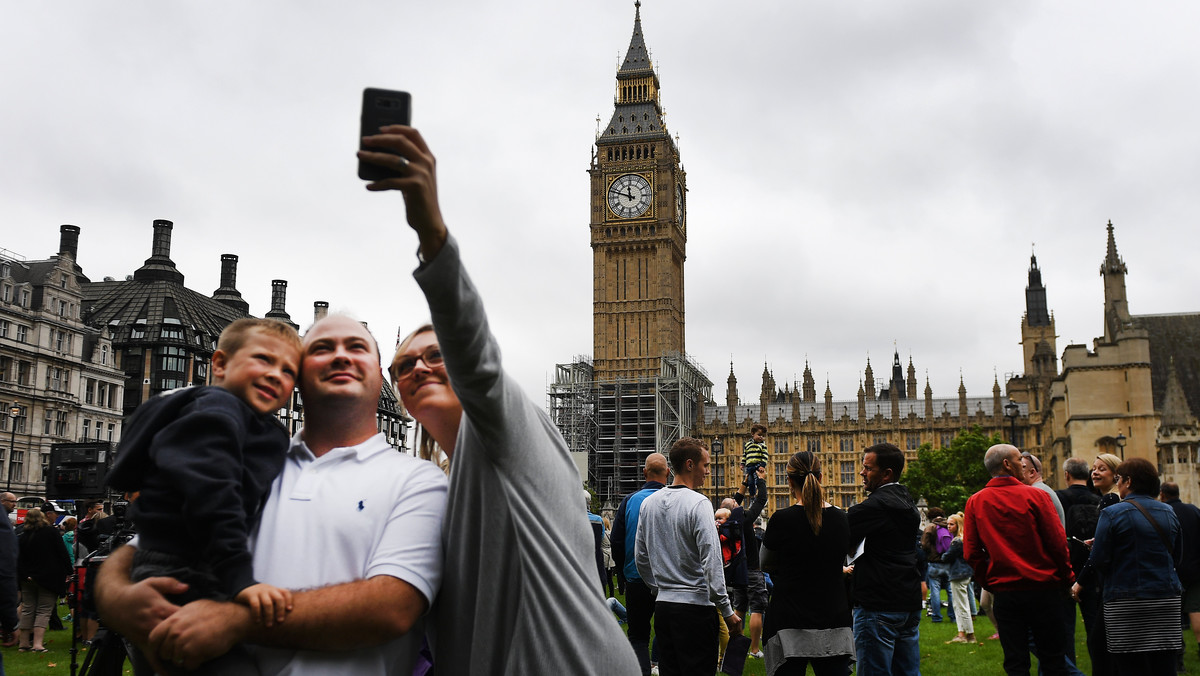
[(268, 604)]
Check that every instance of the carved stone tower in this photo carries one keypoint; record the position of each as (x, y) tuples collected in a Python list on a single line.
[(638, 227)]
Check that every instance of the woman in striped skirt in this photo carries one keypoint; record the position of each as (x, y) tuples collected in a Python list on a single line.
[(1136, 548)]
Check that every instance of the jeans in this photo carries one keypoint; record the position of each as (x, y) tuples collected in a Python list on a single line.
[(618, 610), (1022, 613), (937, 580), (752, 478), (887, 642)]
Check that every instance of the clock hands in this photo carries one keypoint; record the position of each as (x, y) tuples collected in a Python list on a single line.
[(628, 194)]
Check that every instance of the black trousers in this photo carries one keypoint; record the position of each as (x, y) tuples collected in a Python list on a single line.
[(838, 665), (1153, 663), (1091, 607), (1020, 614), (639, 607), (687, 639)]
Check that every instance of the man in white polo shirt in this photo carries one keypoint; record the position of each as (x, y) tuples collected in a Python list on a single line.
[(349, 520)]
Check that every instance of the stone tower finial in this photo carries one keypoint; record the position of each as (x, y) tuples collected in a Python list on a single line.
[(1112, 260), (1036, 311), (1116, 305)]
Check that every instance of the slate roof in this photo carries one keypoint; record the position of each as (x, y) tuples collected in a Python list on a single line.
[(635, 121), (149, 304), (641, 120), (637, 57), (1174, 336)]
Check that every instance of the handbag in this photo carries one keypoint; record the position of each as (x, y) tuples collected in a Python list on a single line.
[(736, 652)]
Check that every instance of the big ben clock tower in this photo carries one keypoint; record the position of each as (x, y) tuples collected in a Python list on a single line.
[(638, 228)]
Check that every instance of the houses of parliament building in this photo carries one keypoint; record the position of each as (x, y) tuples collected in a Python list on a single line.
[(1135, 391)]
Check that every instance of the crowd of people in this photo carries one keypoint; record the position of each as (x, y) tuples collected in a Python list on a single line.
[(850, 586), (37, 565), (327, 553)]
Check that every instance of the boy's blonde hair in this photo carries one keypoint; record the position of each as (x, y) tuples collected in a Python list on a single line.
[(722, 513), (234, 336)]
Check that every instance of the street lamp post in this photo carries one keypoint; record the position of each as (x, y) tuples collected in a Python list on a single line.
[(12, 444), (1011, 411), (1121, 445), (717, 450)]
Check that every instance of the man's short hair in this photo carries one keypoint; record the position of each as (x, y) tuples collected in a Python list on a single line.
[(687, 448), (888, 456), (1033, 460), (1077, 468), (1170, 490), (1142, 475), (758, 428), (234, 336), (934, 513), (993, 459)]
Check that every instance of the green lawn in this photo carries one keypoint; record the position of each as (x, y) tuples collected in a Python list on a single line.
[(937, 658), (984, 657)]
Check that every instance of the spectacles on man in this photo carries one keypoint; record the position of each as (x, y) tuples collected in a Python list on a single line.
[(432, 356)]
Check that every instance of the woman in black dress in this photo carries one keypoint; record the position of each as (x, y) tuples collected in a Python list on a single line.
[(804, 549)]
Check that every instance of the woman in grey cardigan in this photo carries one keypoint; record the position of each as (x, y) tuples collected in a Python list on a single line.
[(520, 557)]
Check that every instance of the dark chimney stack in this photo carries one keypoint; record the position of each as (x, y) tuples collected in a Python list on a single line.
[(279, 303), (159, 266), (228, 293), (68, 240), (229, 271), (162, 239)]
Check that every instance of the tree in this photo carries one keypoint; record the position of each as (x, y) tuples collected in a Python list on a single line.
[(946, 477)]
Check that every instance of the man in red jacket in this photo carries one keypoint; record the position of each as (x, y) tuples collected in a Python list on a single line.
[(1018, 548)]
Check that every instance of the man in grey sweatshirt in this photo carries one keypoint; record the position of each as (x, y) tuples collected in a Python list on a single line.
[(678, 555)]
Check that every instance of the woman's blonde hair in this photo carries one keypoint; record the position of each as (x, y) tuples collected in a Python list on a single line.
[(423, 442), (35, 519), (959, 524), (1113, 462)]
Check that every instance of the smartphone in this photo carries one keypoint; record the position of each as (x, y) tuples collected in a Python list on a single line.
[(381, 107)]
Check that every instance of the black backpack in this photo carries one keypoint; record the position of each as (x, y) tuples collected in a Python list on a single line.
[(1081, 520)]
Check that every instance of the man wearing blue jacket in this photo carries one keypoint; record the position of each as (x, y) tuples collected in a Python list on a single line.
[(639, 600)]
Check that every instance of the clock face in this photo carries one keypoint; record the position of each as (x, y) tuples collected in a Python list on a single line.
[(630, 196), (679, 206)]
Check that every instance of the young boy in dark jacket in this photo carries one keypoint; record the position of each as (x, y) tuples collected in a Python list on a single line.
[(202, 459)]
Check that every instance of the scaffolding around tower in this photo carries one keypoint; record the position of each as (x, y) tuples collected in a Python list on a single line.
[(619, 423)]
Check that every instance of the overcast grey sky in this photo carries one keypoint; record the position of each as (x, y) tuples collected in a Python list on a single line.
[(862, 174)]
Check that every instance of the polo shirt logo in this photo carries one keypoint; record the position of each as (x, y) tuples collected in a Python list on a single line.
[(360, 505)]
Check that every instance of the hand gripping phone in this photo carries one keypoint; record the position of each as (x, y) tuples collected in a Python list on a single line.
[(381, 107)]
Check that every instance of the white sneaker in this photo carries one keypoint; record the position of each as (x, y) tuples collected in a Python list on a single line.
[(654, 671), (757, 654)]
